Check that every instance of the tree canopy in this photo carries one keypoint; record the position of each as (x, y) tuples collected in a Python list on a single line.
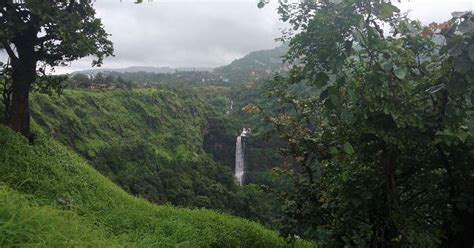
[(46, 33), (378, 112)]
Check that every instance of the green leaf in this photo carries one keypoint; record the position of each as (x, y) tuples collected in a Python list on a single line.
[(456, 50), (387, 10), (400, 72), (260, 4), (461, 64), (348, 148), (358, 36), (466, 26), (324, 94), (321, 79), (457, 86), (346, 116), (470, 52), (386, 65), (333, 151), (334, 99)]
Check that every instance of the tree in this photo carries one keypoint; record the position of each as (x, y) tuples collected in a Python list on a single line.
[(124, 84), (100, 79), (81, 80), (364, 113), (50, 33), (6, 88)]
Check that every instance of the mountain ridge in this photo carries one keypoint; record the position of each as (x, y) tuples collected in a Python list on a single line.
[(253, 66), (148, 69)]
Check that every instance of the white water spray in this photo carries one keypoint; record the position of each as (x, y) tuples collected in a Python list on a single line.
[(240, 156)]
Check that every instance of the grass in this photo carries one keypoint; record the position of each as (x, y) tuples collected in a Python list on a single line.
[(23, 223), (47, 186)]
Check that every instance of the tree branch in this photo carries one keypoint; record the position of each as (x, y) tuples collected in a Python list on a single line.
[(10, 52)]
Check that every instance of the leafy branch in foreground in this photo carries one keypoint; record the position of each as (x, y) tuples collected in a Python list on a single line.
[(377, 111)]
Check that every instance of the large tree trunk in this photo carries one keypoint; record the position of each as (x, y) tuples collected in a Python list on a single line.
[(20, 107), (23, 76), (459, 222), (392, 197)]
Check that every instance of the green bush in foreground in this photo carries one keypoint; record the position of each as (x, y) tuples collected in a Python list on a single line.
[(58, 179)]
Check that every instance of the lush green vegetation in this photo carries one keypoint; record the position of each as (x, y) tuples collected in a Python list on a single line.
[(254, 66), (149, 141), (66, 189), (364, 137), (167, 145), (24, 223), (377, 113)]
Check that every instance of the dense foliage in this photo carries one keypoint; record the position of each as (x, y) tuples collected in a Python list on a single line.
[(167, 145), (373, 115), (148, 141), (378, 113), (130, 79), (52, 197)]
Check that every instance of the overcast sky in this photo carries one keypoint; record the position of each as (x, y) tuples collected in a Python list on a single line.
[(208, 33)]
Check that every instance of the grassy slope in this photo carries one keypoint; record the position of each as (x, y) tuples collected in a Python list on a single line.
[(69, 190), (148, 141), (90, 121), (23, 223)]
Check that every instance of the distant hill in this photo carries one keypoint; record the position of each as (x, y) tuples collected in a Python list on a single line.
[(148, 69), (254, 66)]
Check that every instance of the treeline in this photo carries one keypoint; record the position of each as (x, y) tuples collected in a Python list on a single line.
[(255, 66), (129, 80), (91, 81)]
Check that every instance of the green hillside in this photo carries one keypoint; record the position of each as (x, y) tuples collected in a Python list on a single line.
[(167, 145), (67, 201), (254, 66), (148, 141)]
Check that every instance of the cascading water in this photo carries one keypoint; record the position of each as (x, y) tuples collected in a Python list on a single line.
[(240, 156), (230, 108), (239, 161)]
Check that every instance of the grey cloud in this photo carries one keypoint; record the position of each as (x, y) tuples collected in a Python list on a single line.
[(207, 33), (185, 33)]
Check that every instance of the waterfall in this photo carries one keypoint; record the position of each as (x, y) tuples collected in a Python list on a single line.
[(240, 156), (230, 108), (239, 161)]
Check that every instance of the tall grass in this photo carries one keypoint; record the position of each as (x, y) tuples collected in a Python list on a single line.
[(24, 224)]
